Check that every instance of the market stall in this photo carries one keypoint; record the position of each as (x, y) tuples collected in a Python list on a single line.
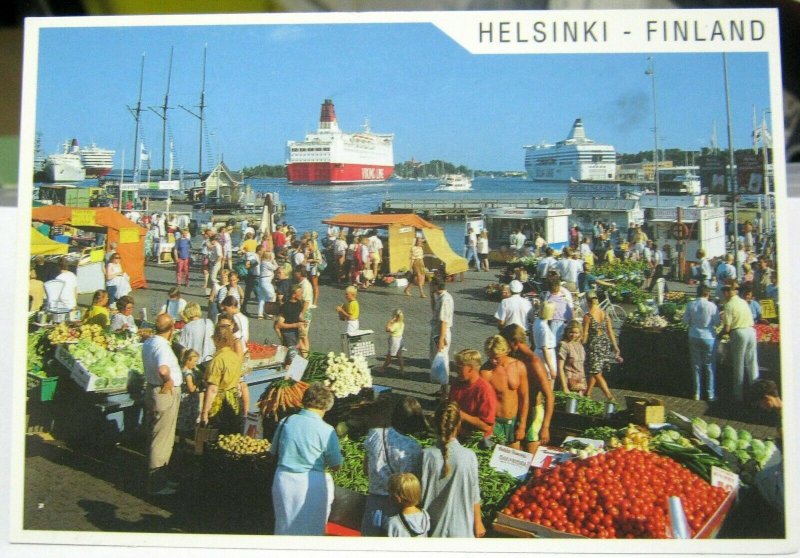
[(127, 235), (41, 245), (402, 232), (500, 222)]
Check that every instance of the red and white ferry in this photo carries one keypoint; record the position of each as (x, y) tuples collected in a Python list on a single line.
[(330, 156)]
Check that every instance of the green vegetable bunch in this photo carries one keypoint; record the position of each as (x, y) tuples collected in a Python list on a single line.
[(586, 406)]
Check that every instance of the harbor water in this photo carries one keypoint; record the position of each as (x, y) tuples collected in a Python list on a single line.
[(308, 206)]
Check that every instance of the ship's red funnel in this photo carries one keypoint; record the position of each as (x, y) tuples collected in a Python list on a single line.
[(327, 113)]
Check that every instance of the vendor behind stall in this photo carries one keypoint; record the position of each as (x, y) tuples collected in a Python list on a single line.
[(98, 313), (123, 320)]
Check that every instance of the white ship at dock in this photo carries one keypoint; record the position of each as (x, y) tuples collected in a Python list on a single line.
[(575, 159)]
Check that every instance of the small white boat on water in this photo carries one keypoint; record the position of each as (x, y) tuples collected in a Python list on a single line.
[(454, 183)]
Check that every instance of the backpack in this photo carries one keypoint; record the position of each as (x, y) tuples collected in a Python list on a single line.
[(241, 268)]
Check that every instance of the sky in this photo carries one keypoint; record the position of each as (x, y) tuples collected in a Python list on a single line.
[(264, 85)]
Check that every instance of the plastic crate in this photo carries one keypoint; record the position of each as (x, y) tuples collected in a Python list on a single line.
[(48, 388), (45, 387)]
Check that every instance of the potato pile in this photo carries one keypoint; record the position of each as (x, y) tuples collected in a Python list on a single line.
[(239, 444)]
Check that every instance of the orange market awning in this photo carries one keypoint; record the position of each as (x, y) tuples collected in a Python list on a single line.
[(128, 236), (379, 220), (402, 229)]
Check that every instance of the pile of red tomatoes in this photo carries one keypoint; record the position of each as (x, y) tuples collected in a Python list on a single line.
[(618, 494), (768, 333)]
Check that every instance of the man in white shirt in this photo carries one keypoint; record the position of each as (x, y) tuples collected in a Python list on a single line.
[(514, 309), (519, 245), (545, 264), (162, 373), (441, 330), (573, 267), (539, 243), (375, 249), (472, 248), (67, 298)]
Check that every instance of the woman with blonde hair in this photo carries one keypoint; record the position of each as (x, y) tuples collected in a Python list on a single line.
[(197, 332), (227, 398), (417, 265), (450, 480), (395, 328)]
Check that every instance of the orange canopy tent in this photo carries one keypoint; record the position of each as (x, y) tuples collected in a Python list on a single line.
[(128, 236), (402, 229)]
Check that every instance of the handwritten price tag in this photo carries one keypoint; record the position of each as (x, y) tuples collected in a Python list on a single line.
[(724, 479)]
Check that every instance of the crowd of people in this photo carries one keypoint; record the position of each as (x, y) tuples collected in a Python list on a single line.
[(194, 358)]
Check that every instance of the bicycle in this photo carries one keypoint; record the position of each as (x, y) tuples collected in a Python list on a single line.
[(615, 312)]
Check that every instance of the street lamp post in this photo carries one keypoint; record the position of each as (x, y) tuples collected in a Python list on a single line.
[(733, 183), (651, 72)]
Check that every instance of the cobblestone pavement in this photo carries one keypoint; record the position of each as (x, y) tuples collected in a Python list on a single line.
[(96, 486)]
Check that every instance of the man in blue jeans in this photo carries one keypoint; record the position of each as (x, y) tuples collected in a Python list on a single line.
[(702, 317)]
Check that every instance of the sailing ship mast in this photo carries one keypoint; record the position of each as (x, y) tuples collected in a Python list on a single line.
[(163, 114), (137, 115), (200, 116)]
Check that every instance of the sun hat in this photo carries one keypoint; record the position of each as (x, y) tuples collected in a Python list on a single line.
[(515, 286)]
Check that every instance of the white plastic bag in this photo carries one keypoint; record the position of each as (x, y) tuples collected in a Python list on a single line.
[(440, 369)]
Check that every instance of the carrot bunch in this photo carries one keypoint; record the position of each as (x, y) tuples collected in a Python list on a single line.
[(281, 396)]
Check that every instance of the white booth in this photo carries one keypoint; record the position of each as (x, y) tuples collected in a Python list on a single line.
[(702, 227), (553, 224)]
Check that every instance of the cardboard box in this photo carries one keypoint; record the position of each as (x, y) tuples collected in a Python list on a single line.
[(646, 410)]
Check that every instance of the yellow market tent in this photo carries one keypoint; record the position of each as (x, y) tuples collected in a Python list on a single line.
[(43, 246), (402, 229)]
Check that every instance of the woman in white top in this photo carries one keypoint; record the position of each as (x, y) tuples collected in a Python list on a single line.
[(123, 319), (388, 451), (266, 271), (545, 340), (175, 305), (117, 282)]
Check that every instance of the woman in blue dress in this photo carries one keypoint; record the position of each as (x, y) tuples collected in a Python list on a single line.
[(305, 445)]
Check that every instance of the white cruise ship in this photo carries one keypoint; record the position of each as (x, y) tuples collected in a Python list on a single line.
[(66, 166), (575, 159), (96, 160)]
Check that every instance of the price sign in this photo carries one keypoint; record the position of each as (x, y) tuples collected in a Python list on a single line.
[(128, 235), (768, 309), (83, 218), (724, 479), (546, 457), (514, 462), (296, 368)]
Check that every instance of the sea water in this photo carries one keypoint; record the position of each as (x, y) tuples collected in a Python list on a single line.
[(308, 206)]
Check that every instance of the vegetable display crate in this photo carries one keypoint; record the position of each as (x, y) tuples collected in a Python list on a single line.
[(516, 527), (85, 379)]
